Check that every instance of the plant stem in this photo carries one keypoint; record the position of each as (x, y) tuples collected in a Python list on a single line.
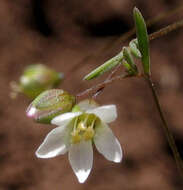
[(166, 30), (166, 129), (100, 86)]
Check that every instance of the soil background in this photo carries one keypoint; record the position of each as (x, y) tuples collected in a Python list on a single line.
[(75, 37)]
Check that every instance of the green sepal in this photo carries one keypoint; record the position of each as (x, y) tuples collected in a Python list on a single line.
[(129, 59), (133, 45), (128, 68), (143, 40), (76, 108)]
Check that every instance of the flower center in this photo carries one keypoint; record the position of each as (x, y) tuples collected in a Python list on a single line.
[(84, 128)]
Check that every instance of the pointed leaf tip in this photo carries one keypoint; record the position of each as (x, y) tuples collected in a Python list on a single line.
[(143, 39)]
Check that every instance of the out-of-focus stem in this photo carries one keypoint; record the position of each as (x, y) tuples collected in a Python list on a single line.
[(166, 30)]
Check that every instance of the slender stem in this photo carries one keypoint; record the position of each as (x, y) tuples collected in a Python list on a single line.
[(166, 30), (101, 85), (111, 75), (166, 129)]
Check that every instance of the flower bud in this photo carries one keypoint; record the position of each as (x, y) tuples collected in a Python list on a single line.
[(38, 78), (50, 104)]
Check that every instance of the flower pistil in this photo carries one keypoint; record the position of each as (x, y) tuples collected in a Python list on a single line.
[(83, 128)]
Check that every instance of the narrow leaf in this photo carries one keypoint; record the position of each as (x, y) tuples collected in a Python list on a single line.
[(143, 40), (108, 65)]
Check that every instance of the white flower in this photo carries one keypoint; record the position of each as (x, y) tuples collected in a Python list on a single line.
[(76, 133)]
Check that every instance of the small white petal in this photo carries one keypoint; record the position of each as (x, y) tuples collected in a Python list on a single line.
[(87, 104), (81, 159), (107, 144), (106, 113), (65, 118), (54, 144)]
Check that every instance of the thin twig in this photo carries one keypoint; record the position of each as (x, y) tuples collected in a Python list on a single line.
[(111, 75), (166, 30), (101, 85)]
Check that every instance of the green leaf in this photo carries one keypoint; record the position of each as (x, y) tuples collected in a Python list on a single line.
[(143, 40), (108, 65), (129, 59), (133, 45)]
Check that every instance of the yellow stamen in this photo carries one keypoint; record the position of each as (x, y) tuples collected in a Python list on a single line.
[(81, 126), (89, 133), (75, 138)]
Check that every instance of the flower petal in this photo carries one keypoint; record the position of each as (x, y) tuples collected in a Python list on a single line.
[(106, 113), (87, 104), (65, 118), (107, 144), (81, 159), (54, 144)]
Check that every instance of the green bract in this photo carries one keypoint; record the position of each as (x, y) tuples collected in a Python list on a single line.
[(50, 104), (133, 45), (129, 59)]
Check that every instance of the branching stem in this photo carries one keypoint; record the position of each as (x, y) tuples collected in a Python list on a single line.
[(160, 33)]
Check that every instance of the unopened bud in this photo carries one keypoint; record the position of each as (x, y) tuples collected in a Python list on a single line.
[(38, 78), (50, 104)]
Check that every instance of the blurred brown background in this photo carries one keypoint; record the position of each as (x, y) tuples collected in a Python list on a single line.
[(62, 34)]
